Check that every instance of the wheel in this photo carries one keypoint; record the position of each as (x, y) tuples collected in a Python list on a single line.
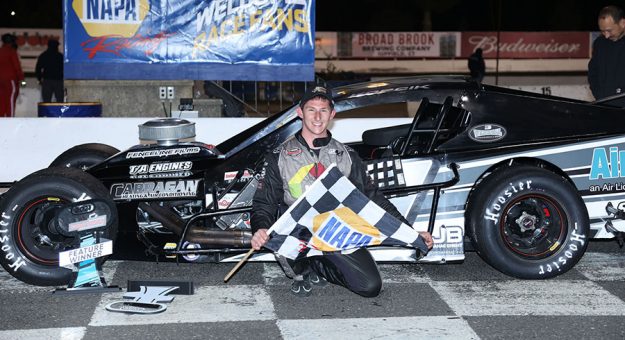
[(84, 156), (29, 247), (528, 222)]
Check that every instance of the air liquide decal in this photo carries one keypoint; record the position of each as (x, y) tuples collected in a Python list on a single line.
[(157, 189), (605, 163), (111, 17)]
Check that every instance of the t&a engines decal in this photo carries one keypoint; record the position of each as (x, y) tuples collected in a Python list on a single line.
[(161, 170)]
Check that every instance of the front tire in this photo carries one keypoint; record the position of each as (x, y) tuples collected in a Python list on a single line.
[(84, 156), (29, 248), (528, 222)]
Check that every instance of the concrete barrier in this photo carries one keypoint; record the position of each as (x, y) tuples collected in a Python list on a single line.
[(30, 144)]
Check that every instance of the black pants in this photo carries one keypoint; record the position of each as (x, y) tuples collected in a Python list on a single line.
[(50, 86), (357, 271)]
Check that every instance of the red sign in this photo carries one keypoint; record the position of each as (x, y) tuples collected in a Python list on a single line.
[(527, 45)]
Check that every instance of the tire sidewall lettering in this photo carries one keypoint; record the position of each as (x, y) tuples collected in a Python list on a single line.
[(7, 244), (493, 209), (489, 206)]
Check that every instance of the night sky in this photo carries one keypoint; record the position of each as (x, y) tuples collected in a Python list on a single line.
[(390, 15)]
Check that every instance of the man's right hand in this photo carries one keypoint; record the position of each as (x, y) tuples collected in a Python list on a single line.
[(259, 239)]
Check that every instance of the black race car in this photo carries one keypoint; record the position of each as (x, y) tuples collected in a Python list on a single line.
[(524, 179)]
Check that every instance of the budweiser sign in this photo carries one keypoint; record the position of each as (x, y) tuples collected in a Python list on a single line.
[(527, 45)]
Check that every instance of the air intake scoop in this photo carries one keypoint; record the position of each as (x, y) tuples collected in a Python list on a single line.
[(166, 131)]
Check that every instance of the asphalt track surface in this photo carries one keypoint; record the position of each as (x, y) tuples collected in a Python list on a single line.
[(454, 301)]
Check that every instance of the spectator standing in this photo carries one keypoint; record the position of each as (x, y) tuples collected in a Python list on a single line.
[(49, 71), (606, 69), (476, 64), (10, 76)]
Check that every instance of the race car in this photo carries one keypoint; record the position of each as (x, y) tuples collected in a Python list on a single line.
[(524, 179)]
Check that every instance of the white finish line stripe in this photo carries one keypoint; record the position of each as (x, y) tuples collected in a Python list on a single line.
[(208, 304), (553, 297), (602, 266), (70, 333), (423, 327)]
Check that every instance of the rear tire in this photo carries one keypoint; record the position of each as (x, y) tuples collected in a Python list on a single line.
[(528, 222), (84, 156), (28, 247)]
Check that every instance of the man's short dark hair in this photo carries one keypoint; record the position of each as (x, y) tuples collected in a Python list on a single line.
[(8, 38), (613, 11)]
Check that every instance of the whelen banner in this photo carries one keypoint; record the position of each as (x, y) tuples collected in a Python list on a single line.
[(190, 39)]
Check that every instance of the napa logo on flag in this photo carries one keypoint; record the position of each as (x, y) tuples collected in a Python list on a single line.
[(333, 215), (111, 17), (342, 229)]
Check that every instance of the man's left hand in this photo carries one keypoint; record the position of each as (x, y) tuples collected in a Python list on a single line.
[(427, 238)]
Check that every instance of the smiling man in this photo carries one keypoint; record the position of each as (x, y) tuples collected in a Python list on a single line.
[(606, 69), (294, 166)]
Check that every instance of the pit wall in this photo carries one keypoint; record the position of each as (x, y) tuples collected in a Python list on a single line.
[(30, 144)]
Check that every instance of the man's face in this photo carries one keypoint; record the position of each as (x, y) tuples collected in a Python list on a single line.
[(316, 115), (610, 29)]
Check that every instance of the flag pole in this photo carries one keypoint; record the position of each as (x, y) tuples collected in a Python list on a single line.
[(238, 265)]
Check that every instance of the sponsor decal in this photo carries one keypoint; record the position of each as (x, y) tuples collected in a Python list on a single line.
[(106, 17), (607, 164), (91, 223), (294, 152), (161, 170), (382, 91), (90, 252), (156, 189), (487, 133), (342, 229), (230, 175), (163, 152)]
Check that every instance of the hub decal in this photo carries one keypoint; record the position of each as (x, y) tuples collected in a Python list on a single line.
[(157, 189)]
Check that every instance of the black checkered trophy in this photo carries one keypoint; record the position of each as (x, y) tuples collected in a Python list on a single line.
[(84, 221)]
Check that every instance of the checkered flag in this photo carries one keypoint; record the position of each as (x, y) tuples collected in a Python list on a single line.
[(333, 215)]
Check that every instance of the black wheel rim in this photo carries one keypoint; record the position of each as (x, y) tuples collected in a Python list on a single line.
[(35, 236), (533, 226)]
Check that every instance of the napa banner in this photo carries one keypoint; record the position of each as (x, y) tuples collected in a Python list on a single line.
[(189, 39)]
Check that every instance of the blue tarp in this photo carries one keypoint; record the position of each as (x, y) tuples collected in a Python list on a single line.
[(269, 40)]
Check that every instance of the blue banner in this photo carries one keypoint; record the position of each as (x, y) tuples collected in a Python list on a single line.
[(270, 40)]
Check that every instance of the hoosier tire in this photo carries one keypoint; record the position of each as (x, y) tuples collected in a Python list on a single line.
[(84, 156), (528, 222), (29, 248)]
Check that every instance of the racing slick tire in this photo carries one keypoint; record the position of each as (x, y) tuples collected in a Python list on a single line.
[(84, 156), (528, 222), (29, 248)]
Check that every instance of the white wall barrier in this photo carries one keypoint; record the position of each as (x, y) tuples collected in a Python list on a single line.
[(30, 144)]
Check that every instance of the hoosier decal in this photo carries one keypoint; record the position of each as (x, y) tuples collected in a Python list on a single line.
[(158, 189)]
